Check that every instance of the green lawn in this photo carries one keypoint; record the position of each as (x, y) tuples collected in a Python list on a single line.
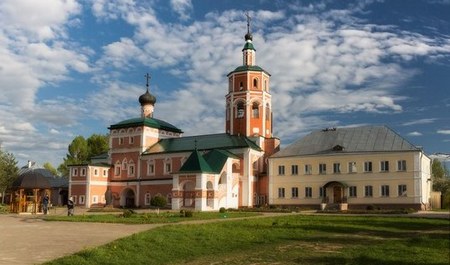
[(291, 239), (147, 218)]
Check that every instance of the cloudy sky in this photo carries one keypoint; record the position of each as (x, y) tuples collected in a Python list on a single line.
[(71, 67)]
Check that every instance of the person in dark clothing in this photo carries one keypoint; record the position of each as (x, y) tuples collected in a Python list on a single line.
[(70, 206), (45, 201)]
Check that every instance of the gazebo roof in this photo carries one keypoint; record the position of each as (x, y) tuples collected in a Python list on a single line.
[(32, 179)]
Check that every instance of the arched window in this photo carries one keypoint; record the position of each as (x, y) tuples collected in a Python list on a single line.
[(255, 110), (241, 85), (240, 110), (265, 86), (255, 83), (267, 112), (117, 168), (148, 198), (131, 168)]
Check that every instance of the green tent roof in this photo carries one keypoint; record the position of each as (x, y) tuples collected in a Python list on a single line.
[(217, 158), (249, 46), (196, 164), (149, 122), (245, 68), (222, 141)]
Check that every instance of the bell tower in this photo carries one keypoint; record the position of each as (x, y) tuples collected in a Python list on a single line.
[(248, 102)]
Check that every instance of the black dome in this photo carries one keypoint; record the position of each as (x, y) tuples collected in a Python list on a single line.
[(248, 36), (147, 98)]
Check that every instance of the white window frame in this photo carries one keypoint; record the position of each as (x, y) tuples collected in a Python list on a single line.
[(74, 172), (147, 198), (95, 199), (401, 165), (322, 169), (402, 190), (384, 166), (308, 192), (368, 191), (368, 167), (281, 193), (352, 167), (82, 199), (281, 170), (308, 169), (352, 191), (83, 172), (167, 167), (294, 192), (294, 170), (384, 191), (150, 165), (336, 168)]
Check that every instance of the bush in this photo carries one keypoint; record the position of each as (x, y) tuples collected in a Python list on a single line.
[(128, 213), (222, 210), (158, 201), (186, 213), (4, 208)]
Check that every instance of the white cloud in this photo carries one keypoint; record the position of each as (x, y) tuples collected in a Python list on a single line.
[(54, 131), (443, 131), (183, 8), (415, 133), (318, 62), (420, 121), (38, 22)]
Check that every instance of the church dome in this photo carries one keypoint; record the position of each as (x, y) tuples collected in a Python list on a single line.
[(248, 36), (147, 98)]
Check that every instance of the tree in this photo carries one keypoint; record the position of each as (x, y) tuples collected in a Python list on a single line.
[(97, 144), (441, 182), (50, 168), (81, 150), (8, 171)]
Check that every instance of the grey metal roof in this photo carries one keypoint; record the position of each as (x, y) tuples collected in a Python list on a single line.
[(37, 173), (348, 140)]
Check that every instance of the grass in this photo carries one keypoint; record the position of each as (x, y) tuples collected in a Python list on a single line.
[(292, 239), (147, 218)]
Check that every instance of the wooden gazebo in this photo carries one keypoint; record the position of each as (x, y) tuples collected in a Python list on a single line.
[(27, 192)]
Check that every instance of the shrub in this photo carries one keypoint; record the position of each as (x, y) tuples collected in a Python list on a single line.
[(158, 201), (222, 210), (128, 213), (4, 208), (370, 207), (186, 213)]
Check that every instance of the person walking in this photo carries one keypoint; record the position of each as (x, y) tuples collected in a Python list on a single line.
[(70, 206), (45, 203)]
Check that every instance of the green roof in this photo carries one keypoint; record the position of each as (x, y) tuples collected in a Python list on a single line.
[(149, 122), (196, 164), (245, 68), (222, 141), (249, 46), (217, 158)]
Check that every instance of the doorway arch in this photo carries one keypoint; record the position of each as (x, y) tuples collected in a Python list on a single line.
[(127, 198)]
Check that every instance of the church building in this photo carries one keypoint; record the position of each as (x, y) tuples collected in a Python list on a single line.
[(150, 157)]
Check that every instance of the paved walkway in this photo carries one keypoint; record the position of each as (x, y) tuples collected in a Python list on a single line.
[(30, 240), (27, 239)]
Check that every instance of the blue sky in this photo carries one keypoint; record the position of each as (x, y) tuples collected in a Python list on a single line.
[(71, 68)]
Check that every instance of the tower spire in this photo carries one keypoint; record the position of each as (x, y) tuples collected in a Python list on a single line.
[(147, 77), (248, 36)]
